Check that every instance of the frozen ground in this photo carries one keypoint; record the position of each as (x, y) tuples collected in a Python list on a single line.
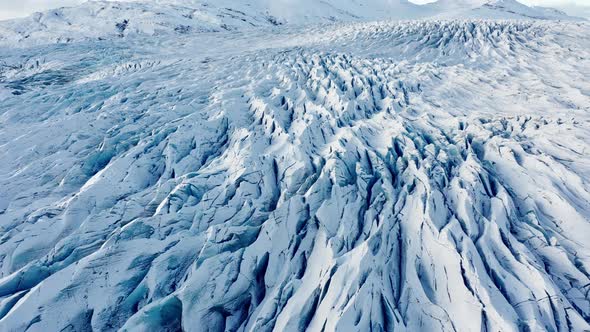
[(420, 175)]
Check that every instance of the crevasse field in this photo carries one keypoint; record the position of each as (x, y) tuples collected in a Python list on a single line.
[(219, 167)]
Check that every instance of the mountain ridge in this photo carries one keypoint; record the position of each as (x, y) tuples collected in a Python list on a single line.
[(101, 19)]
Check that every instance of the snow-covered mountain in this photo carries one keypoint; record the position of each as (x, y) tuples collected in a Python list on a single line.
[(514, 9), (103, 19), (182, 167), (495, 9)]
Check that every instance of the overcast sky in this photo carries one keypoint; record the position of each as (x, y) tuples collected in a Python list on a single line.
[(16, 8)]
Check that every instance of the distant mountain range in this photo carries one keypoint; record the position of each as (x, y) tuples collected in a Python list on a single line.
[(99, 19)]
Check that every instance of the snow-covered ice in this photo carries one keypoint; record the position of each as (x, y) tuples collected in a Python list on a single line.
[(425, 175)]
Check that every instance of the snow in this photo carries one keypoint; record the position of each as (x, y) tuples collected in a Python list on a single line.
[(387, 175), (107, 19)]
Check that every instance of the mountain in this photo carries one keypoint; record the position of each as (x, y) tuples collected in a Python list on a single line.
[(104, 19), (99, 19), (515, 9), (247, 172), (496, 9)]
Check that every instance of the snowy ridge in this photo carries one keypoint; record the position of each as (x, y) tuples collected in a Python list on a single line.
[(102, 19), (514, 9), (388, 176), (110, 19)]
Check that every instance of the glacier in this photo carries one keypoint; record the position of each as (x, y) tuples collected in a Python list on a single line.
[(248, 173)]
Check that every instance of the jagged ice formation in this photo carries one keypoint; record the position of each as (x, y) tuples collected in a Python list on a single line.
[(426, 175)]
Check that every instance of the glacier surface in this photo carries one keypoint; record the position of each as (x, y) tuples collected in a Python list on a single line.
[(416, 175)]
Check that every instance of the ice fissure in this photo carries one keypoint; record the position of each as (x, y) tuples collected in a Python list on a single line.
[(322, 182)]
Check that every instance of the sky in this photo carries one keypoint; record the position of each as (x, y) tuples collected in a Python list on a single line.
[(19, 8)]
